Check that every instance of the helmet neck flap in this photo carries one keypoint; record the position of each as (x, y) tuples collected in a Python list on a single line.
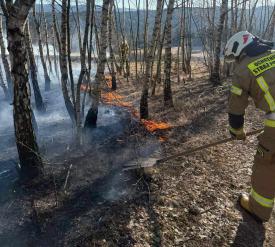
[(258, 47)]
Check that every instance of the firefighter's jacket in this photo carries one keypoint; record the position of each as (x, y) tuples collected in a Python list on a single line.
[(254, 77)]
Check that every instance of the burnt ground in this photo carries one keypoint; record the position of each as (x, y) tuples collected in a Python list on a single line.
[(81, 184), (86, 200)]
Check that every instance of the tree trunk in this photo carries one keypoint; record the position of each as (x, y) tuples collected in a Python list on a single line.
[(41, 52), (91, 118), (240, 27), (137, 37), (55, 40), (89, 58), (70, 65), (83, 49), (45, 25), (182, 36), (157, 78), (5, 61), (251, 17), (144, 112), (215, 74), (112, 55), (63, 63), (145, 36), (30, 159), (168, 100), (188, 39), (271, 27), (33, 69)]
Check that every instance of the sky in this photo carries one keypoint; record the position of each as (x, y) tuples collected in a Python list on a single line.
[(152, 3)]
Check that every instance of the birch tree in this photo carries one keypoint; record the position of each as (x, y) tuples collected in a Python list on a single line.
[(167, 91), (144, 112), (110, 40), (45, 27), (33, 69), (271, 26), (5, 60), (16, 15), (215, 73), (63, 53), (91, 118), (38, 23)]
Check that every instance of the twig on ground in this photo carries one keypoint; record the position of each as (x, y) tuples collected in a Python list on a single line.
[(209, 209), (67, 177)]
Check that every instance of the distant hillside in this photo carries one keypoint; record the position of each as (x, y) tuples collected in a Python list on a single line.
[(132, 15)]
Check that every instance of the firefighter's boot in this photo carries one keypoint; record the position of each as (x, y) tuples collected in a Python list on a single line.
[(244, 202)]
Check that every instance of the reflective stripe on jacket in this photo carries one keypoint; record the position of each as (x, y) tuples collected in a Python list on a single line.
[(255, 77)]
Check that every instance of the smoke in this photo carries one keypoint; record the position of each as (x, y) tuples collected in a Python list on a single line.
[(108, 147), (6, 114)]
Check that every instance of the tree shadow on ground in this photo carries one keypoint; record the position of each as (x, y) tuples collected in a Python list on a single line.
[(201, 122), (250, 233)]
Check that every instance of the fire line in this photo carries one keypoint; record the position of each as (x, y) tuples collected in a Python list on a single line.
[(115, 99)]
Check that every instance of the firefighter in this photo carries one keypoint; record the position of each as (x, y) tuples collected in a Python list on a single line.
[(124, 51), (254, 76)]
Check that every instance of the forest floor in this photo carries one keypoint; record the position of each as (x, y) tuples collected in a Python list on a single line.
[(195, 198), (87, 200)]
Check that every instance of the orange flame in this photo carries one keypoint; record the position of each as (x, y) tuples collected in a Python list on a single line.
[(113, 98), (153, 126), (116, 99)]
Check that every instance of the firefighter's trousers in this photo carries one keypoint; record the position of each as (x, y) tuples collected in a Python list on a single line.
[(263, 173)]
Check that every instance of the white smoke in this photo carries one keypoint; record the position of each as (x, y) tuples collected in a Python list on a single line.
[(6, 115)]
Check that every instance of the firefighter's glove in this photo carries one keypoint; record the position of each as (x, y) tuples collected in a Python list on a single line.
[(238, 134)]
